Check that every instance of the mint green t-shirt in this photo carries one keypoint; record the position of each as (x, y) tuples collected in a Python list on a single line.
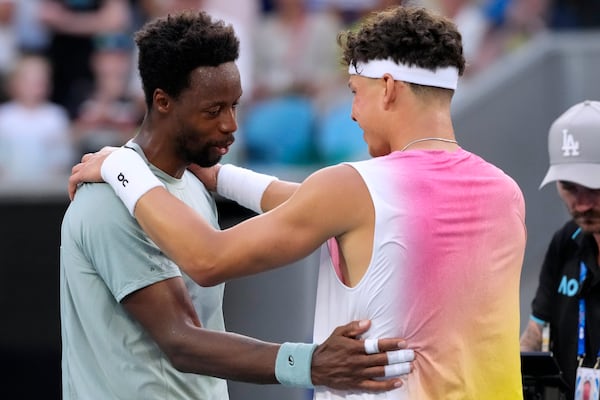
[(105, 256)]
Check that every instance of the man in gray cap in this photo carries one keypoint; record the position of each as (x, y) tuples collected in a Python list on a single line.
[(568, 296)]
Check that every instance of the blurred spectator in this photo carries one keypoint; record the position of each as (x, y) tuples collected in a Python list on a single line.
[(472, 23), (111, 113), (350, 11), (74, 24), (492, 28), (8, 50), (157, 8), (512, 24), (296, 65), (574, 14), (35, 141), (32, 34), (295, 51)]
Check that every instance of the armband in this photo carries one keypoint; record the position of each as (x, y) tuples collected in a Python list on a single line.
[(243, 186), (293, 364), (129, 176)]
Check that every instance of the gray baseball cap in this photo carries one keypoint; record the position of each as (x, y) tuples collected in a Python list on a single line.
[(574, 146)]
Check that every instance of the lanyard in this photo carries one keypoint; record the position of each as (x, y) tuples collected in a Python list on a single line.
[(581, 325)]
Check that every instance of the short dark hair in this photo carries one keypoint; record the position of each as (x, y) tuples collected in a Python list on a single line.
[(408, 35), (171, 47)]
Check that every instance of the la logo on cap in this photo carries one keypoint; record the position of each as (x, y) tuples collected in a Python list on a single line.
[(570, 146), (574, 146)]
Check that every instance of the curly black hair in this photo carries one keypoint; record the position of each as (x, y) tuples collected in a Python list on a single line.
[(409, 35), (171, 47)]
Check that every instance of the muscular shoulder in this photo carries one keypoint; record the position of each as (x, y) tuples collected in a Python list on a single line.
[(341, 177), (337, 186), (337, 193)]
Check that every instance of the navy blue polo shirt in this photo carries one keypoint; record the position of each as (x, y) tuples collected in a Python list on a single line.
[(557, 297)]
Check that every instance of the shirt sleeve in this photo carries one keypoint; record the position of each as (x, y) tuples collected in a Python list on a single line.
[(120, 251)]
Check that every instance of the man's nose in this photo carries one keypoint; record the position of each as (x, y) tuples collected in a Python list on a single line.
[(229, 121), (585, 200)]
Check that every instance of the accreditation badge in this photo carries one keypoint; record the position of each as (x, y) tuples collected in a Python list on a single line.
[(587, 384)]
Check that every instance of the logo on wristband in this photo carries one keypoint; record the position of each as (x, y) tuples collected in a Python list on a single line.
[(121, 178), (291, 361)]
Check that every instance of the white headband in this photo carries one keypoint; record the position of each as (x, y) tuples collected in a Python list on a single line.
[(443, 77)]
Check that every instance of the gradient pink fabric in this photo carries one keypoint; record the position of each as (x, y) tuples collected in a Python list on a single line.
[(445, 272)]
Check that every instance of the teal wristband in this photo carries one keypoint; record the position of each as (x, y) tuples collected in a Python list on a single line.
[(292, 366)]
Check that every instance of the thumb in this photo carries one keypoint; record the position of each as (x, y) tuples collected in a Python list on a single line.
[(354, 328)]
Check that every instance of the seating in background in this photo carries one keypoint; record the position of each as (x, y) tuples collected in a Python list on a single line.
[(338, 138), (279, 131)]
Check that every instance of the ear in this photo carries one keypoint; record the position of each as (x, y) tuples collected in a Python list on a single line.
[(390, 91), (162, 101)]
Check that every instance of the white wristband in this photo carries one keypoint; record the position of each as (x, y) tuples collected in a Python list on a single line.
[(129, 176), (243, 186)]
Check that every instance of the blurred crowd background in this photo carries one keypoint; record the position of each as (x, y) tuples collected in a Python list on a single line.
[(69, 80)]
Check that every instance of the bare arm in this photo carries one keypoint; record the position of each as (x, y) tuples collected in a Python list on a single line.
[(89, 171), (275, 194), (326, 205), (531, 338), (321, 208), (165, 311)]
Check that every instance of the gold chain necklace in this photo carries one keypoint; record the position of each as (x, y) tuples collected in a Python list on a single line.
[(439, 139)]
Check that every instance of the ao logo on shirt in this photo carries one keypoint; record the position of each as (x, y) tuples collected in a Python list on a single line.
[(568, 287)]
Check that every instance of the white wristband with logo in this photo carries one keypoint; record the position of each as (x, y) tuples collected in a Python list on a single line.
[(243, 186), (129, 176)]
